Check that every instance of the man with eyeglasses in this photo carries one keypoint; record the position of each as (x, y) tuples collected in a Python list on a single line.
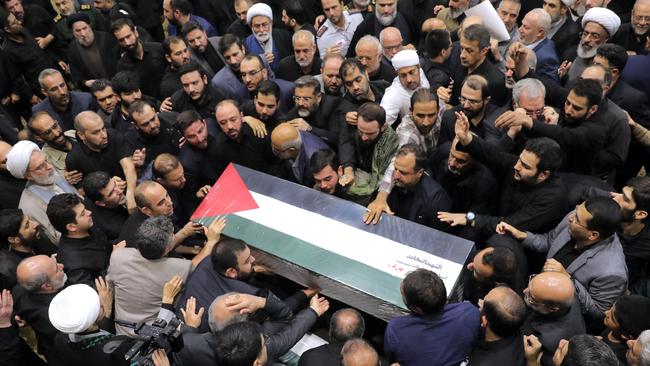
[(475, 97), (369, 53), (26, 161), (584, 246), (57, 144), (598, 26), (554, 313), (253, 70), (386, 15), (316, 112), (271, 43), (632, 35)]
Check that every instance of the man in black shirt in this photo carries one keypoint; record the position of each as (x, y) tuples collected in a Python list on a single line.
[(101, 150), (35, 18), (106, 200), (502, 313), (239, 27), (237, 144), (144, 58), (197, 93), (199, 135), (204, 49), (85, 252), (303, 61), (152, 133), (126, 85), (438, 47), (177, 55), (168, 171), (11, 188), (106, 98), (265, 105)]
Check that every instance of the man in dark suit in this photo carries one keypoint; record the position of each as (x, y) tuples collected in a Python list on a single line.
[(296, 148), (345, 324), (564, 30), (62, 104), (270, 42), (533, 33), (92, 54)]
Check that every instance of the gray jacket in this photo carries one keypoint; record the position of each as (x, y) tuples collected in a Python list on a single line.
[(599, 273)]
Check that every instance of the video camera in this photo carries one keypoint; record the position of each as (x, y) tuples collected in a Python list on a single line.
[(160, 334)]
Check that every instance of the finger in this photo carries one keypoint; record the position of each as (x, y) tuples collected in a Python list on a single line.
[(200, 313), (377, 215)]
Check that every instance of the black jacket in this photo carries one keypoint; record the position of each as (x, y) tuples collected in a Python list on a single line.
[(149, 69), (566, 39), (326, 121), (206, 106), (536, 208), (85, 259), (289, 69), (627, 38), (437, 74), (371, 26), (109, 52), (495, 78), (422, 203), (484, 129)]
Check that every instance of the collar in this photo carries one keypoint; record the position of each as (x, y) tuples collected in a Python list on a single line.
[(533, 45)]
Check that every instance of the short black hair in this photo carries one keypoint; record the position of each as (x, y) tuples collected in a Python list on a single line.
[(295, 10), (505, 318), (477, 32), (548, 152), (268, 87), (60, 211), (224, 255), (605, 215), (436, 41), (125, 81), (190, 26), (4, 17), (417, 151), (350, 64), (631, 313), (423, 95), (587, 350), (424, 290), (167, 44), (186, 118), (191, 67), (322, 158), (590, 89), (503, 263), (99, 85), (238, 344), (95, 182), (117, 24), (10, 220), (227, 41), (641, 193), (371, 111), (184, 6), (615, 54)]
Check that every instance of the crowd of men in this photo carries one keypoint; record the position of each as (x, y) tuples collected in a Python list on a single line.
[(117, 117)]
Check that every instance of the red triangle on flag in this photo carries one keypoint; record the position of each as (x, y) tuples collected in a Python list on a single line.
[(228, 195)]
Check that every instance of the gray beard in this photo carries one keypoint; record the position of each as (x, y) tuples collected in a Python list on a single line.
[(387, 19), (583, 53)]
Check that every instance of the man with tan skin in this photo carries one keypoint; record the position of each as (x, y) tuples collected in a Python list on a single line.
[(239, 27), (61, 103), (358, 352), (57, 144), (369, 53), (336, 32), (391, 42), (296, 148), (555, 312), (329, 77), (564, 31), (631, 35), (40, 278), (303, 61)]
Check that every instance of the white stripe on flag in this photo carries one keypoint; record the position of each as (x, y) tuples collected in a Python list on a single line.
[(373, 250)]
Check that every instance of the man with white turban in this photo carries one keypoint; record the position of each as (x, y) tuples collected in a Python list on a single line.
[(598, 25), (26, 161), (397, 99), (272, 44)]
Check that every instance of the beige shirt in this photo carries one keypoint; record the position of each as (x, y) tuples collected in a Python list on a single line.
[(138, 285)]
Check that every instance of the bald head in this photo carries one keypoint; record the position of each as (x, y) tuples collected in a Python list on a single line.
[(357, 352), (219, 316), (286, 141), (40, 273), (550, 290), (431, 24), (4, 150), (85, 120), (471, 20), (503, 311), (346, 324)]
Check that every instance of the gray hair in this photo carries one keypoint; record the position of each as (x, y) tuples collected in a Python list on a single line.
[(215, 326), (644, 338), (154, 236), (530, 88), (382, 34), (45, 73), (35, 282), (542, 18), (308, 81), (303, 33), (372, 39)]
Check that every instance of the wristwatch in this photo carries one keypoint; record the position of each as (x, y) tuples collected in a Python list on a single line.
[(469, 218)]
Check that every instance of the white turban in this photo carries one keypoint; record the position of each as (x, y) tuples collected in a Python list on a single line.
[(258, 9), (568, 3), (603, 16), (405, 58), (19, 156), (74, 309)]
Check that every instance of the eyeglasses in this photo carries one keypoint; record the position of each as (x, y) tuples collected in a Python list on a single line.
[(593, 35), (463, 100), (259, 26), (573, 218), (298, 98), (534, 113), (250, 73), (528, 297), (393, 48), (638, 18)]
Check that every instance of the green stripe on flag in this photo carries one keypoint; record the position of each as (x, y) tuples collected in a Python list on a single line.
[(316, 259)]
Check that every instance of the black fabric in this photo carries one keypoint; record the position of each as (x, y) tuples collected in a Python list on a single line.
[(637, 254), (170, 83), (85, 259), (165, 141), (205, 106), (495, 78), (437, 74), (240, 30), (30, 59), (86, 161), (248, 109), (288, 68), (505, 351), (483, 129), (627, 38), (149, 69), (108, 52), (9, 260), (130, 227), (325, 355), (14, 351), (370, 25), (421, 203), (109, 220), (567, 254), (566, 39), (75, 355), (326, 121), (10, 190)]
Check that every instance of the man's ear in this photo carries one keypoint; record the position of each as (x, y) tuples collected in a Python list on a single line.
[(640, 214), (168, 58), (231, 273), (146, 211), (592, 110), (14, 240), (71, 227), (543, 176), (484, 321)]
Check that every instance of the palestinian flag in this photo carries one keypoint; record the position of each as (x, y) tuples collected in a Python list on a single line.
[(320, 241)]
